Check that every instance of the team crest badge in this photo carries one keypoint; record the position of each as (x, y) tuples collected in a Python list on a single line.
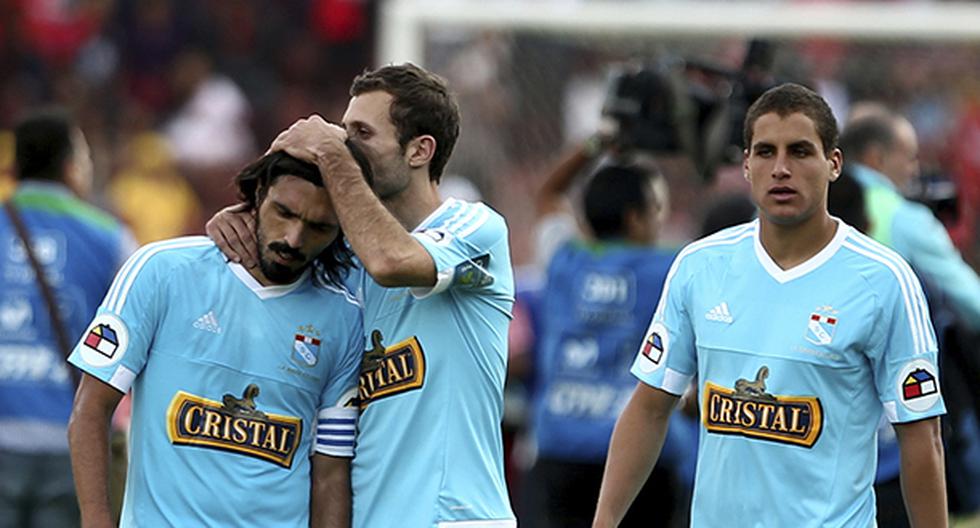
[(821, 326), (306, 346)]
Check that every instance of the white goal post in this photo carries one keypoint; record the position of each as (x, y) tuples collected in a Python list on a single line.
[(403, 23)]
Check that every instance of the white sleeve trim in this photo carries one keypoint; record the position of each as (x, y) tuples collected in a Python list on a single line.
[(891, 411), (443, 280), (335, 431), (502, 523), (122, 379), (675, 382)]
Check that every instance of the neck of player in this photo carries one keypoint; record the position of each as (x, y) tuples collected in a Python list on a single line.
[(792, 245), (414, 204)]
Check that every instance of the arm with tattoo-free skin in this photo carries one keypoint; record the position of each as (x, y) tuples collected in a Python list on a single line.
[(633, 451), (923, 473), (388, 252), (88, 440), (330, 493)]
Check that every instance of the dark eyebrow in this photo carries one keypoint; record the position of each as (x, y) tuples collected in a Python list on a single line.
[(357, 123), (319, 225), (761, 145), (803, 143)]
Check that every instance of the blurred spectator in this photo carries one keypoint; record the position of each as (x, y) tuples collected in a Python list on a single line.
[(79, 248), (209, 134), (882, 153), (151, 195), (600, 293)]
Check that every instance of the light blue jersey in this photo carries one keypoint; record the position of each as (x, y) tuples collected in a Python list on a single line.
[(794, 368), (429, 448), (235, 385)]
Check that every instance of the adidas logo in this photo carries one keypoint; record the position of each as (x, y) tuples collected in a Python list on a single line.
[(719, 313), (208, 322)]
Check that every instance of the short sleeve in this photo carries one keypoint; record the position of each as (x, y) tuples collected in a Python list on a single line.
[(924, 239), (115, 344), (461, 246), (667, 358), (337, 414), (903, 354)]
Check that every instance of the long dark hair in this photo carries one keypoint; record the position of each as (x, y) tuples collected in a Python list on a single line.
[(334, 262)]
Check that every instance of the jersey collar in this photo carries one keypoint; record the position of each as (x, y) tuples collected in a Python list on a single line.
[(783, 276), (266, 292)]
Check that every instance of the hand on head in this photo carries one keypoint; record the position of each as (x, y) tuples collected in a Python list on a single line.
[(312, 139)]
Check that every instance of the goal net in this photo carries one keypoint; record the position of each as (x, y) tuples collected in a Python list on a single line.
[(532, 77)]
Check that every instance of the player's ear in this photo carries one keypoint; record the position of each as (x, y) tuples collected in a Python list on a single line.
[(836, 162), (420, 151)]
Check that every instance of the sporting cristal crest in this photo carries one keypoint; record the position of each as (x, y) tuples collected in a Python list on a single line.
[(821, 325), (306, 345)]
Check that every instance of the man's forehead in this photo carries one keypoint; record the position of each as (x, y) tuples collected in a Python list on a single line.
[(791, 128), (368, 106)]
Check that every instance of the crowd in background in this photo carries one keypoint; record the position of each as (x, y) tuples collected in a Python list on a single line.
[(176, 95)]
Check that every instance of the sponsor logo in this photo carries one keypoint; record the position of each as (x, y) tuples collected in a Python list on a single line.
[(918, 385), (387, 371), (208, 322), (234, 425), (306, 346), (720, 314), (105, 341), (749, 411), (821, 325)]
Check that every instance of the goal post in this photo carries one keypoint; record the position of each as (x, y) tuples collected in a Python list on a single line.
[(531, 76), (404, 22)]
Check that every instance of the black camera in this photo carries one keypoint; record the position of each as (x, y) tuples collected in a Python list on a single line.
[(687, 107)]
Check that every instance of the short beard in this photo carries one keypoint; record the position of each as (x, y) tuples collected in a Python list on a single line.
[(274, 271)]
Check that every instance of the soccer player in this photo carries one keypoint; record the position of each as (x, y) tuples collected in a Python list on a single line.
[(242, 394), (437, 295), (800, 332)]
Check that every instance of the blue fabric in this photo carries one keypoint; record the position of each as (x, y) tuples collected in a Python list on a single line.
[(228, 380), (596, 304), (429, 448), (794, 369), (80, 249), (920, 238)]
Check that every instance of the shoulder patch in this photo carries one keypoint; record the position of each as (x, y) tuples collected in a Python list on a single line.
[(105, 341), (654, 349), (918, 385)]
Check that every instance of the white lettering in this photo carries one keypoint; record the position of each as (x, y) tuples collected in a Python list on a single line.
[(603, 288), (583, 400), (31, 363)]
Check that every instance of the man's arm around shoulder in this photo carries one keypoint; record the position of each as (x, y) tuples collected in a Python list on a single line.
[(330, 493), (88, 439), (923, 477)]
